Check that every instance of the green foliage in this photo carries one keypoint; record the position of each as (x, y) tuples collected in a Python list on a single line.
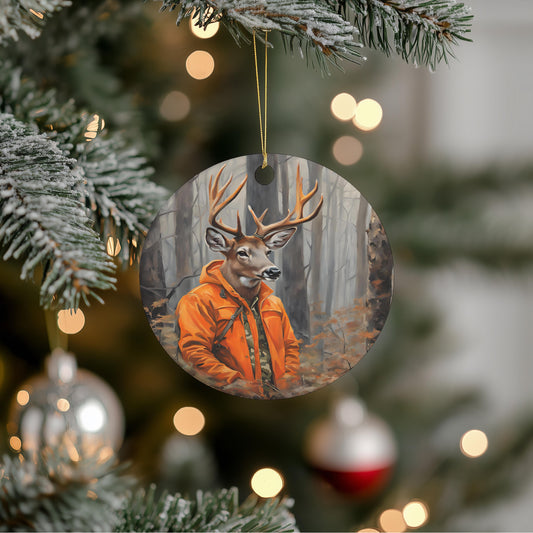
[(421, 31), (25, 16), (114, 180), (219, 511), (43, 218), (53, 494)]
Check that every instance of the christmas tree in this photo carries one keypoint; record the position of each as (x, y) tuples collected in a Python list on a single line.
[(102, 117)]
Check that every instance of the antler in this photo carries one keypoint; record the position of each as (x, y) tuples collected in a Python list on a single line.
[(301, 199), (216, 206)]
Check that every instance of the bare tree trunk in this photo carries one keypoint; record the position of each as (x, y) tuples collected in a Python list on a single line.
[(292, 282), (184, 236), (333, 207)]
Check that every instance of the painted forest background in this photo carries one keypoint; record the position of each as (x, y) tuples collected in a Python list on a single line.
[(336, 270)]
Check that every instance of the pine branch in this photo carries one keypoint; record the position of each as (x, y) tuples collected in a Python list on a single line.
[(306, 25), (422, 32), (25, 16), (219, 511), (43, 219), (115, 178), (55, 494)]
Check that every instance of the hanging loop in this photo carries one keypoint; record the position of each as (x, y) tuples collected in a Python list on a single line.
[(262, 132)]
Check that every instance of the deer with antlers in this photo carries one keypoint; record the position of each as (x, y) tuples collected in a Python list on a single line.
[(232, 328)]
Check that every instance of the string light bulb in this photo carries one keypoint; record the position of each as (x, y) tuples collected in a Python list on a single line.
[(200, 65), (175, 106), (23, 397), (415, 514), (392, 521), (189, 421), (343, 106), (267, 482), (70, 321), (95, 126), (368, 114), (474, 443), (347, 150), (113, 246), (203, 32)]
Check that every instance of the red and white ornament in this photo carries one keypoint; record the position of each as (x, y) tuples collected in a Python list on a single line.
[(352, 450)]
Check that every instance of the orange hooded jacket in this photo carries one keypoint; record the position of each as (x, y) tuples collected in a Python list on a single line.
[(204, 312)]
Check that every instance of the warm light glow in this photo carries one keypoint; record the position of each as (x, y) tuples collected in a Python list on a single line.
[(37, 14), (474, 443), (200, 65), (415, 514), (106, 452), (63, 405), (368, 114), (15, 443), (23, 397), (92, 495), (201, 32), (91, 416), (189, 420), (1, 372), (392, 520), (113, 246), (70, 321), (347, 150), (267, 482), (94, 127), (175, 106), (368, 530), (343, 106)]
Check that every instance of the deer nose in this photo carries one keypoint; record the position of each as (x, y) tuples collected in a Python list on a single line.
[(271, 273)]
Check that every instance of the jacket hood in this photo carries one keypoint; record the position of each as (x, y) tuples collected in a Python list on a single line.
[(211, 274)]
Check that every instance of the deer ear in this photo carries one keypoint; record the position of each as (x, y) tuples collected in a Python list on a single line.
[(216, 241), (278, 239)]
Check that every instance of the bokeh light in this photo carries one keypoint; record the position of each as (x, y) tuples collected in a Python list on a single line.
[(15, 443), (70, 321), (343, 106), (368, 530), (415, 513), (23, 397), (113, 246), (175, 106), (392, 520), (38, 14), (189, 420), (63, 405), (203, 33), (91, 416), (474, 443), (267, 482), (200, 65), (368, 114), (347, 150), (95, 126)]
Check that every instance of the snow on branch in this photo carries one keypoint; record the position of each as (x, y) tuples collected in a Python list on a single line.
[(217, 511), (422, 32), (312, 24), (25, 16), (43, 220), (115, 183)]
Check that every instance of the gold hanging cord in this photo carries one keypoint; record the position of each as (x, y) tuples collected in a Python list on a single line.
[(262, 133)]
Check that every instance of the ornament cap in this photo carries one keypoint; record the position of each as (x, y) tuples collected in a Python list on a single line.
[(61, 366)]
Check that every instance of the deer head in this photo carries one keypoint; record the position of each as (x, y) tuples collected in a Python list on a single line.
[(247, 256)]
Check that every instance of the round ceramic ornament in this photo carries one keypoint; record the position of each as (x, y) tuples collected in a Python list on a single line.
[(269, 286)]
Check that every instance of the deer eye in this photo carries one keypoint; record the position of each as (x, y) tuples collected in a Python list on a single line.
[(242, 253)]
